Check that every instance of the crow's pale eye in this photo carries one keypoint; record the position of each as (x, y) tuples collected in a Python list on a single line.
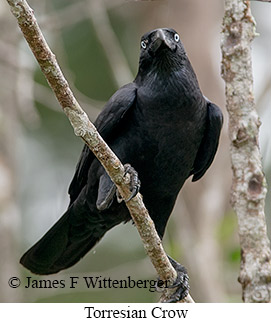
[(144, 44), (176, 37)]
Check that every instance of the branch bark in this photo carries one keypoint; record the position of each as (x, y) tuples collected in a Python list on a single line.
[(86, 130), (249, 184)]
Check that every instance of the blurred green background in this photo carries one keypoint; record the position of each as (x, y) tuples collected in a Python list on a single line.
[(97, 45)]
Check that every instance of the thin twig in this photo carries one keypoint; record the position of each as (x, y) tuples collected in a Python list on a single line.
[(86, 130), (118, 63)]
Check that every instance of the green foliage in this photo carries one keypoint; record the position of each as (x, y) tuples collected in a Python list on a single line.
[(228, 239), (87, 61)]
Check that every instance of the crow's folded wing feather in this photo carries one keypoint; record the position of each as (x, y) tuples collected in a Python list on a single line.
[(107, 122), (208, 146)]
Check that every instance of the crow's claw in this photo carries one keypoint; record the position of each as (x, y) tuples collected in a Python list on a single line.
[(181, 284), (134, 181)]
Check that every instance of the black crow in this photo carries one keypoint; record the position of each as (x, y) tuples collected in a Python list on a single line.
[(164, 127)]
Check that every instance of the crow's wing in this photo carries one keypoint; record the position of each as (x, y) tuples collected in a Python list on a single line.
[(209, 143), (107, 122)]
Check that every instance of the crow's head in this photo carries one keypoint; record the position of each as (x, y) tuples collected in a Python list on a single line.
[(161, 47)]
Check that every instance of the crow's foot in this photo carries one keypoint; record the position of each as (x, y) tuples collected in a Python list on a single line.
[(181, 284), (133, 181)]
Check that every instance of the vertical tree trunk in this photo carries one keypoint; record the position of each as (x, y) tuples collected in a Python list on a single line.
[(249, 185)]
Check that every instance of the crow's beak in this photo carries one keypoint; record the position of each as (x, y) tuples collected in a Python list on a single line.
[(160, 39)]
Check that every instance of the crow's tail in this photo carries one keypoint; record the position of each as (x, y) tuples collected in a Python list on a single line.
[(62, 246)]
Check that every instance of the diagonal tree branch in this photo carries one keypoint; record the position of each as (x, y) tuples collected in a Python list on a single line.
[(249, 184), (86, 130)]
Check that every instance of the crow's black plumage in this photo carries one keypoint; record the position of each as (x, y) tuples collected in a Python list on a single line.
[(163, 126)]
